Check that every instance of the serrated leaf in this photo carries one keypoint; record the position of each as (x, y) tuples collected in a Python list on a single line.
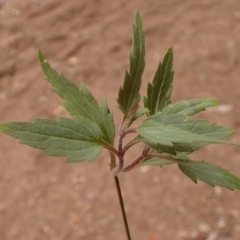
[(190, 107), (198, 126), (79, 139), (155, 162), (177, 133), (107, 121), (79, 101), (139, 113), (210, 174), (159, 92), (129, 94)]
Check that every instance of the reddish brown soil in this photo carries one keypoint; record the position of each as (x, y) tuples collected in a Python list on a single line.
[(43, 197)]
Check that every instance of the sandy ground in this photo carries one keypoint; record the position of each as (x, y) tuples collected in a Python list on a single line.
[(45, 198)]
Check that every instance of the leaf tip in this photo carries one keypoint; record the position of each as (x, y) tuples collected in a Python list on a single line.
[(138, 15), (41, 56), (170, 52), (138, 20)]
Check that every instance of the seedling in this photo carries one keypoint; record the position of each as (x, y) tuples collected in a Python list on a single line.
[(168, 132)]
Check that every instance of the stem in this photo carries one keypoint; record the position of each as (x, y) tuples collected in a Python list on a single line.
[(138, 160), (122, 207), (132, 130), (112, 149), (120, 142), (133, 164)]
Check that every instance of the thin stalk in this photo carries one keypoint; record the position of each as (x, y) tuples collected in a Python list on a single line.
[(138, 160), (122, 207), (133, 164), (120, 144)]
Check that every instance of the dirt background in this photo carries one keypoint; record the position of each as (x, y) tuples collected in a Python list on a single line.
[(45, 198)]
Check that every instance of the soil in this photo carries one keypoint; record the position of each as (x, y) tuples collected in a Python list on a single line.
[(42, 197)]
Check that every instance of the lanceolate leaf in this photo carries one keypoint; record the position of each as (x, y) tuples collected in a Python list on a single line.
[(78, 139), (173, 133), (155, 162), (159, 92), (210, 174), (190, 107), (79, 101), (129, 93)]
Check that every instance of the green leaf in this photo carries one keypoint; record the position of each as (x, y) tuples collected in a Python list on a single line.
[(176, 133), (155, 162), (129, 94), (210, 174), (139, 113), (78, 139), (107, 122), (190, 107), (159, 92), (79, 101)]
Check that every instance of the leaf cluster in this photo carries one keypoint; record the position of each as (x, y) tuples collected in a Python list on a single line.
[(169, 132)]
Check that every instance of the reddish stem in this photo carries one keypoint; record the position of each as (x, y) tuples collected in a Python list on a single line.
[(138, 160), (119, 167), (124, 133), (133, 164)]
